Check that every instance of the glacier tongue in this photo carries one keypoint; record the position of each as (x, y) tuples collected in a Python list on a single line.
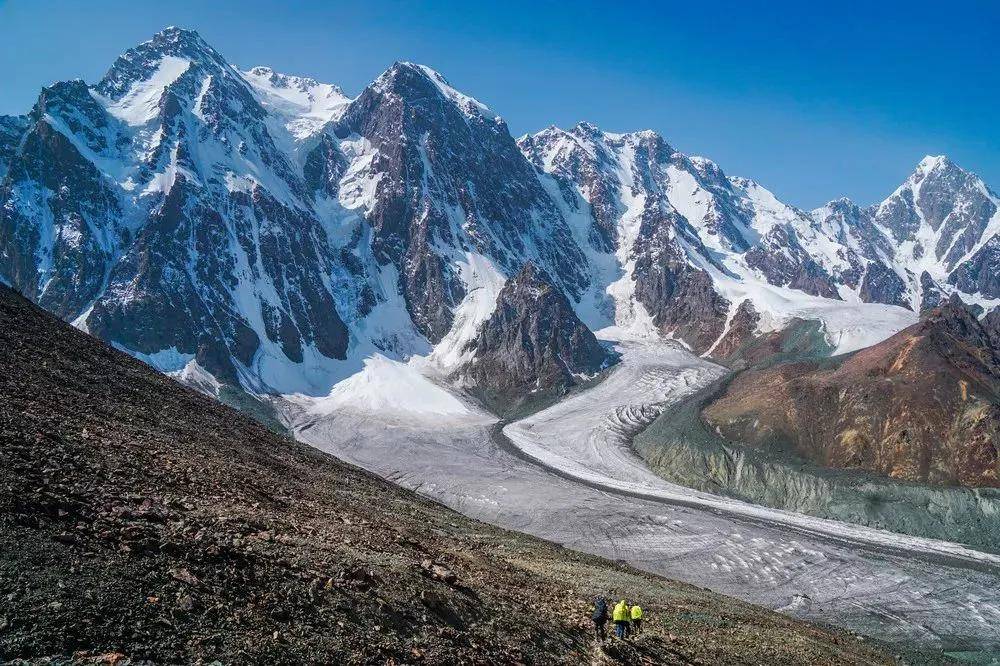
[(567, 475)]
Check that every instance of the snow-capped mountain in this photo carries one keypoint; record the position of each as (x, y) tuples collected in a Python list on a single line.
[(257, 229), (936, 235)]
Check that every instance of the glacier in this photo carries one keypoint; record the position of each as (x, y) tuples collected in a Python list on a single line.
[(567, 474)]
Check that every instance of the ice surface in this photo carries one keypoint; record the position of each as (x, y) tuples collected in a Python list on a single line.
[(566, 474), (588, 436)]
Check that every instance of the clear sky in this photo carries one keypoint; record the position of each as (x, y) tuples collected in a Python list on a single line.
[(813, 102)]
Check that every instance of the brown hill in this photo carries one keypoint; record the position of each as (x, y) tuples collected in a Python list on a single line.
[(142, 522), (923, 405)]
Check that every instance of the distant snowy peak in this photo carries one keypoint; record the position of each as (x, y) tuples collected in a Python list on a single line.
[(308, 104), (934, 234), (941, 209)]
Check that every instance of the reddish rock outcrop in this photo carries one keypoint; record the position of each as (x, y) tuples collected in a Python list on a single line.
[(923, 405)]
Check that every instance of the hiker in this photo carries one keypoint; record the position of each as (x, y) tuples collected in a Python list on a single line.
[(636, 619), (621, 618), (628, 621), (600, 617)]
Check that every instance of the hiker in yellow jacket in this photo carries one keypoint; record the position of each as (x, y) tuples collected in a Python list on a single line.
[(636, 619), (621, 617)]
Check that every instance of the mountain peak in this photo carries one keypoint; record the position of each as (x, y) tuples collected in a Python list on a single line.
[(141, 61), (937, 165), (931, 162), (404, 74), (182, 43), (176, 33), (586, 128)]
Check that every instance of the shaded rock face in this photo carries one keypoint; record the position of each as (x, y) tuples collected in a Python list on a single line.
[(784, 262), (681, 299), (533, 341), (931, 295), (981, 272), (55, 211), (991, 324), (452, 177), (923, 405), (12, 128), (741, 329), (159, 249), (883, 285)]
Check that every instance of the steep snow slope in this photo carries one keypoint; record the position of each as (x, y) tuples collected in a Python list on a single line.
[(306, 103)]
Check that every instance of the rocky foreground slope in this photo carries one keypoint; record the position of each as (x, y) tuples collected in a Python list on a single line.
[(148, 522), (922, 406)]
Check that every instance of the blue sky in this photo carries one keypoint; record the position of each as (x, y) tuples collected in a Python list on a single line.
[(813, 102)]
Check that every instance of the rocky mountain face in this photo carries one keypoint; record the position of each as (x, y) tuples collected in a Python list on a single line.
[(450, 180), (266, 231), (533, 341), (924, 405), (935, 232), (12, 128), (625, 180), (749, 242)]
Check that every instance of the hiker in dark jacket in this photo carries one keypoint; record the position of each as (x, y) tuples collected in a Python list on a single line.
[(600, 617)]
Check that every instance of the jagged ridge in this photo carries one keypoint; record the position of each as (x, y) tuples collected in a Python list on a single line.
[(265, 231)]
